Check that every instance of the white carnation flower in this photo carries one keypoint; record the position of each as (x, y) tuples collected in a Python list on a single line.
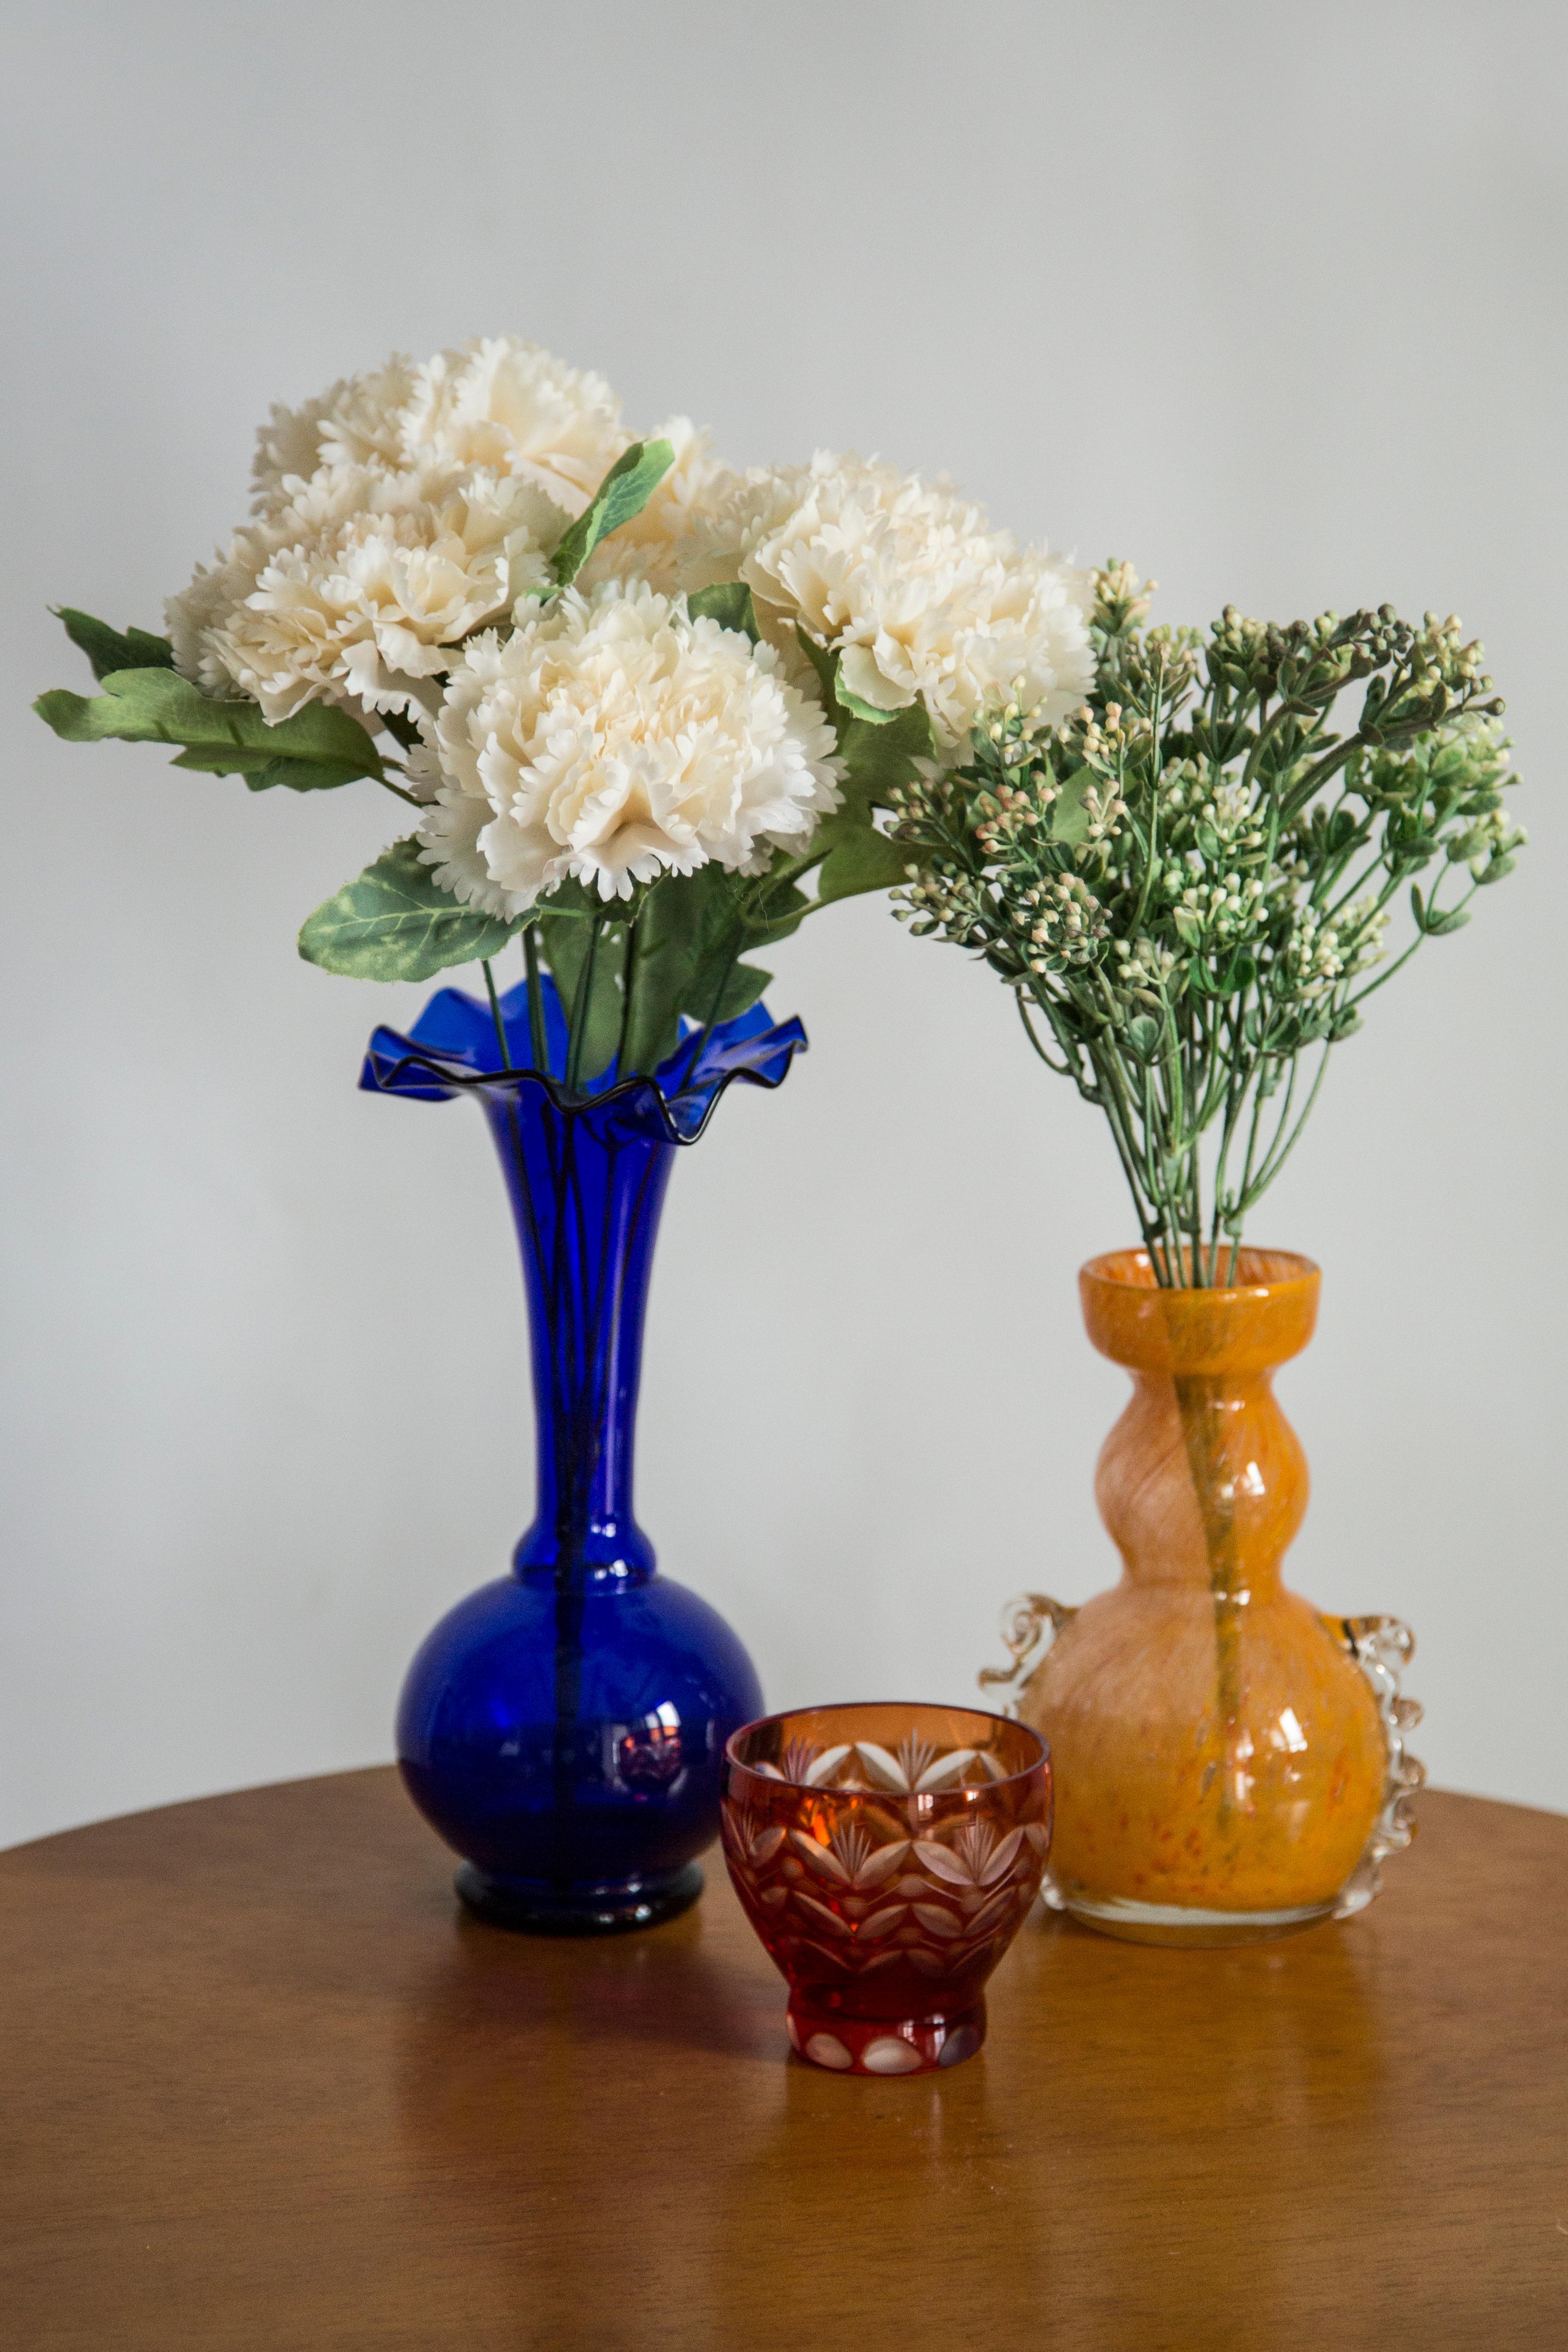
[(515, 409), (355, 422), (214, 590), (507, 406), (904, 579), (614, 738), (359, 588)]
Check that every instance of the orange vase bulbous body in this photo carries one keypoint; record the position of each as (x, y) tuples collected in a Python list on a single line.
[(1221, 1758)]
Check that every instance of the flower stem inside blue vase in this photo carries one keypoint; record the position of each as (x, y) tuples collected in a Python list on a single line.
[(564, 1728), (587, 1202)]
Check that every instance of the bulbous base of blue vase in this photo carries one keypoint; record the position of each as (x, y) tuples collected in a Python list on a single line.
[(569, 1746), (538, 1910)]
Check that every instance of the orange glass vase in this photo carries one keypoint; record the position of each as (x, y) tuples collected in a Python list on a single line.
[(1230, 1763)]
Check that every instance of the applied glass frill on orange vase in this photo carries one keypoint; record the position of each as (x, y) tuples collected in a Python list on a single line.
[(1230, 1762)]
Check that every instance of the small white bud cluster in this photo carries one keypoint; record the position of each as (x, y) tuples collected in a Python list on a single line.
[(950, 904), (1068, 928), (1010, 810), (1120, 597), (1216, 913), (1240, 638), (1492, 837), (1440, 657), (1319, 953), (1016, 730), (1105, 743), (1180, 784), (1104, 813), (1143, 965)]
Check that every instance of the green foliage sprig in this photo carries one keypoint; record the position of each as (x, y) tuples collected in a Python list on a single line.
[(1187, 885)]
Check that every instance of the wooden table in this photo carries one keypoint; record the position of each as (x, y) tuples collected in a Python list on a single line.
[(264, 2087)]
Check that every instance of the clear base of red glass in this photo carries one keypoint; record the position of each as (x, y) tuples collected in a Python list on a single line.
[(883, 2045)]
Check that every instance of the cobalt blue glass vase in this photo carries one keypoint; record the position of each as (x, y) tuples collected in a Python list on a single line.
[(563, 1728)]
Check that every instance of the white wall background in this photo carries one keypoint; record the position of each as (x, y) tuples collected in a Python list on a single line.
[(1270, 299)]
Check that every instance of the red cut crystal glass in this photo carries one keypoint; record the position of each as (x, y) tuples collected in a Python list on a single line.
[(887, 1855)]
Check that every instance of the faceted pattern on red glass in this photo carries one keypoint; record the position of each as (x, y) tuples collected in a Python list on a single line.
[(886, 1856)]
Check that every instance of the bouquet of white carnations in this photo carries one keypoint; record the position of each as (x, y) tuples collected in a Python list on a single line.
[(635, 699)]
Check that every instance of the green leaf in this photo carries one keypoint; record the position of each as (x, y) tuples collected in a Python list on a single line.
[(565, 942), (1437, 927), (1144, 1037), (394, 923), (867, 712), (401, 729), (782, 914), (660, 970), (110, 649), (726, 916), (624, 493), (573, 897), (1069, 818), (879, 748), (746, 983), (1188, 926), (861, 859), (316, 749), (1345, 1024), (262, 774), (689, 935), (1496, 870), (1417, 907), (880, 758), (730, 604), (825, 663), (708, 908)]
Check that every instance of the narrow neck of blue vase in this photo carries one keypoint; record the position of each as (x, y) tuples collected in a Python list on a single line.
[(586, 1195)]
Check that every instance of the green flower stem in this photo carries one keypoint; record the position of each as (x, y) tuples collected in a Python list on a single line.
[(1061, 1068), (1279, 1152), (536, 1035), (1398, 965), (783, 877), (495, 1012), (1108, 1075), (1292, 802), (717, 999), (628, 985), (1233, 1111), (1072, 1049), (580, 1004)]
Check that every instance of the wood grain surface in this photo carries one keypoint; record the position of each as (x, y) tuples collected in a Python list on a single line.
[(265, 2090)]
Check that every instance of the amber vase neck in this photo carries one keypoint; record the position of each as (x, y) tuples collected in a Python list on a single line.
[(1203, 1480)]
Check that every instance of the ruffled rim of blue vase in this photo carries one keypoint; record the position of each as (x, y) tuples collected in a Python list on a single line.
[(453, 1049)]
